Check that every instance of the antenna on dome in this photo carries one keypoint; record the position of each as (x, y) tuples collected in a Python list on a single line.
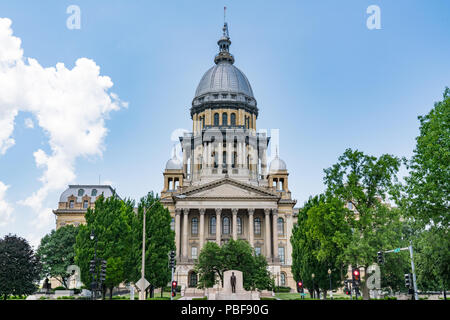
[(225, 25)]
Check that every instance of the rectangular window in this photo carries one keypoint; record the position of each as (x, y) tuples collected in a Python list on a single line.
[(85, 204), (71, 203), (258, 251), (281, 254), (194, 252)]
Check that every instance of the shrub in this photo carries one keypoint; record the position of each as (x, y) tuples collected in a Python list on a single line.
[(204, 298), (66, 298), (282, 289), (60, 288)]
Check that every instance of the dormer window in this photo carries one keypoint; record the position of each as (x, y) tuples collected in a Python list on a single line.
[(94, 192), (80, 192)]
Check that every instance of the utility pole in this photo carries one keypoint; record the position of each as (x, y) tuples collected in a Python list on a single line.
[(416, 295), (142, 292)]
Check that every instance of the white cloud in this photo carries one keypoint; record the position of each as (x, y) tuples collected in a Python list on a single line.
[(70, 105), (5, 208), (29, 123)]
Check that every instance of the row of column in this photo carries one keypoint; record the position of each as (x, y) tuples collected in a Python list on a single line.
[(242, 151), (183, 236)]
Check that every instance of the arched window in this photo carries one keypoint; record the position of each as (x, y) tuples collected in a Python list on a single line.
[(80, 192), (257, 225), (194, 226), (216, 119), (283, 279), (280, 226), (233, 119), (193, 280), (94, 192), (239, 225), (224, 119), (212, 225), (226, 225)]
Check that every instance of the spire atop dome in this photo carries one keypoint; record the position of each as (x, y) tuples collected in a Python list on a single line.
[(224, 44)]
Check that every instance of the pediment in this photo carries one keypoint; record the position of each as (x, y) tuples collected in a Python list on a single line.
[(228, 188)]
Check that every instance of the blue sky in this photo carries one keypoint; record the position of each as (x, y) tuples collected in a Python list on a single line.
[(318, 73)]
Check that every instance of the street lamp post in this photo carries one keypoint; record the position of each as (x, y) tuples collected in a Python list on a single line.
[(94, 280), (313, 290), (331, 289), (142, 292)]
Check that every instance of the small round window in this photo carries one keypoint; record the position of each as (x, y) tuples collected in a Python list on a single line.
[(80, 192)]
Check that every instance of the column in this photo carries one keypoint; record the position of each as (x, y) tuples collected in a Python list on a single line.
[(275, 234), (264, 161), (205, 158), (209, 155), (185, 232), (250, 226), (220, 156), (184, 150), (229, 156), (202, 227), (218, 225), (267, 237), (240, 155), (178, 231), (234, 225)]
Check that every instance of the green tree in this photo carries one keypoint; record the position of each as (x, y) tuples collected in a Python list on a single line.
[(428, 184), (210, 263), (432, 259), (160, 240), (318, 241), (109, 221), (366, 182), (56, 252), (19, 267), (234, 255)]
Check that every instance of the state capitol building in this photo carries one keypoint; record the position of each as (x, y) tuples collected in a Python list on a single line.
[(223, 187)]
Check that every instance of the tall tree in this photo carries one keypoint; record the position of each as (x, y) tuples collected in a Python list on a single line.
[(366, 182), (318, 241), (56, 252), (160, 240), (109, 221), (19, 267), (428, 184)]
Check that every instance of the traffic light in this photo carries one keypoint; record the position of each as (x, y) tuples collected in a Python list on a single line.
[(300, 287), (172, 259), (346, 288), (407, 280), (92, 266), (174, 288), (356, 276), (103, 271), (380, 257)]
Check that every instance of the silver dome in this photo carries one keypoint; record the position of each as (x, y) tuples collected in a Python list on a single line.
[(277, 165), (224, 77), (174, 164)]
